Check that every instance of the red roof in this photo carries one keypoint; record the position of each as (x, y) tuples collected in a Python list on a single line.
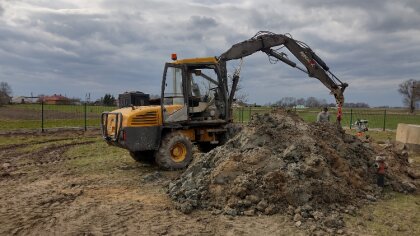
[(54, 97)]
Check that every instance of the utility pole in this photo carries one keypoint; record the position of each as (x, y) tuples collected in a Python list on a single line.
[(412, 98), (415, 94), (87, 97)]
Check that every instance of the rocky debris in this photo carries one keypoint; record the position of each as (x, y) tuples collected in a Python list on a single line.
[(371, 198), (152, 177), (414, 174), (281, 164), (6, 165), (395, 227)]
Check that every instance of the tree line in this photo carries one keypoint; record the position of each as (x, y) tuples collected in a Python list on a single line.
[(313, 102), (409, 89)]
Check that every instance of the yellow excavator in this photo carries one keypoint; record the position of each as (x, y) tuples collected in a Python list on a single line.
[(195, 105)]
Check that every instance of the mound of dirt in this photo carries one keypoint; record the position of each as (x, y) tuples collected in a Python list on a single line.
[(279, 163)]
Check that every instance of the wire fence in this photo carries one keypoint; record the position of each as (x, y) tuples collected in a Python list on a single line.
[(383, 119), (84, 116), (46, 116)]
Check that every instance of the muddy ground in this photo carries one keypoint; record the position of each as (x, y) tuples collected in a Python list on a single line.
[(72, 183)]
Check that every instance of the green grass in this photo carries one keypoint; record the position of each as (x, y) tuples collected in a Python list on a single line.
[(398, 210), (377, 135), (99, 158), (7, 140), (39, 146)]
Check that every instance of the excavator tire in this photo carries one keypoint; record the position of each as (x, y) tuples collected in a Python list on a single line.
[(175, 152), (143, 156)]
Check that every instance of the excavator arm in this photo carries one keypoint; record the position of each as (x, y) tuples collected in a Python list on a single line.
[(314, 66)]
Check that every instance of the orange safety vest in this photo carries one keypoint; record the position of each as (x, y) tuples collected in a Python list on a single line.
[(381, 168)]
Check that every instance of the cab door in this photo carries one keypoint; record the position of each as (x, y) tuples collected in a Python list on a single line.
[(174, 101)]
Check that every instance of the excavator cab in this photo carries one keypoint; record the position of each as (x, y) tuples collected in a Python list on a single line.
[(192, 85)]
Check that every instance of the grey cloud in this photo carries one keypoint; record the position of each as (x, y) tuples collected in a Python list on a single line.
[(392, 23), (202, 22), (123, 45), (371, 4)]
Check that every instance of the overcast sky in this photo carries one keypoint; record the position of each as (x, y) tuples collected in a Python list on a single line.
[(75, 47)]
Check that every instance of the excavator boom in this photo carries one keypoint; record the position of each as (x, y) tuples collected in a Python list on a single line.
[(314, 66)]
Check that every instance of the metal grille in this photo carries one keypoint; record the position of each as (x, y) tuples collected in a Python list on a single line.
[(149, 119)]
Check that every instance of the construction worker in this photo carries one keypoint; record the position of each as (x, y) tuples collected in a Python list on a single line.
[(323, 116), (380, 167)]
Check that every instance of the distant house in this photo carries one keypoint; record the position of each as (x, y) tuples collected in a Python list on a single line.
[(299, 107), (55, 99), (23, 99), (236, 105), (20, 99)]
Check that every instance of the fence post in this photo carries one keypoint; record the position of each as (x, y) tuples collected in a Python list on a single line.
[(249, 116), (384, 120), (85, 116), (42, 116), (351, 117), (242, 115)]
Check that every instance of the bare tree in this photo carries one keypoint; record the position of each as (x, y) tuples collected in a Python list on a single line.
[(288, 101), (410, 90), (240, 96), (312, 102), (300, 101), (5, 93)]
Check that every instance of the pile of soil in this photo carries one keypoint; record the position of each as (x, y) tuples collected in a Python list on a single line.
[(281, 164)]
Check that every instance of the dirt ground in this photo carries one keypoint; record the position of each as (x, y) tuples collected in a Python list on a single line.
[(72, 183)]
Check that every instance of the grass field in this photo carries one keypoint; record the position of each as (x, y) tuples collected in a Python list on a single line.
[(28, 116)]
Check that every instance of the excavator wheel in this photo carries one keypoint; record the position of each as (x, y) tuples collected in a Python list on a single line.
[(143, 156), (175, 152)]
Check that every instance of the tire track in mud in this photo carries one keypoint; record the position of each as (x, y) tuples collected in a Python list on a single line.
[(38, 211), (52, 154), (117, 225), (20, 145)]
